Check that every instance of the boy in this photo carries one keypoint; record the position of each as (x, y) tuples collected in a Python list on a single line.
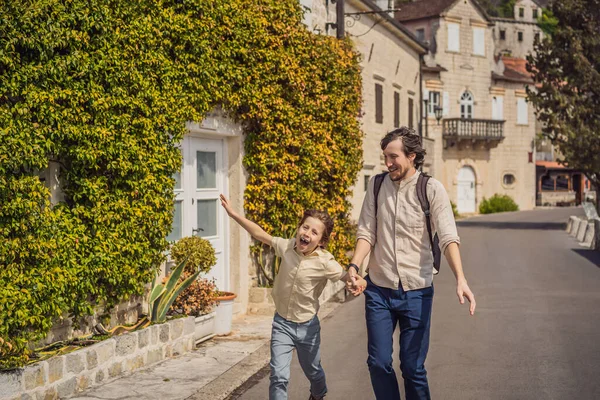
[(305, 268)]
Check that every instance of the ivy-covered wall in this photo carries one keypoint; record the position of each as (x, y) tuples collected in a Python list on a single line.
[(104, 88)]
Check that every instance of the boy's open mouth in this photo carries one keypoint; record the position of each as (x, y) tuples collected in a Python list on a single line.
[(304, 241)]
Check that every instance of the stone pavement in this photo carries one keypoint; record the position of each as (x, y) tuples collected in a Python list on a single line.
[(210, 372)]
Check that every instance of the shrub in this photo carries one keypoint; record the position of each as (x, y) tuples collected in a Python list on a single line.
[(454, 209), (498, 203), (105, 92), (197, 299), (201, 254)]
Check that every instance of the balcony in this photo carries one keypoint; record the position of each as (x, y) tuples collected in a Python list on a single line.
[(466, 132)]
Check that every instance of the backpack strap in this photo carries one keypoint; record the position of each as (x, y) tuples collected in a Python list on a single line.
[(377, 186), (422, 196)]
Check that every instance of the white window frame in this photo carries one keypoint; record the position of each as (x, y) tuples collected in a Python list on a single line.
[(434, 100), (454, 37), (467, 105)]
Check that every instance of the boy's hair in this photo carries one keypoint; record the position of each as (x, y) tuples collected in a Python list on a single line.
[(324, 217), (411, 143)]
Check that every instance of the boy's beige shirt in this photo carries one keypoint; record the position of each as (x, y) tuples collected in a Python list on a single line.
[(401, 250), (301, 279)]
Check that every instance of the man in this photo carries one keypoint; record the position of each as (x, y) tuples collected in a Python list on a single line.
[(400, 269)]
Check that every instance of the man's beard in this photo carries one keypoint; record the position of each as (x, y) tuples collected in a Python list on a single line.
[(400, 177)]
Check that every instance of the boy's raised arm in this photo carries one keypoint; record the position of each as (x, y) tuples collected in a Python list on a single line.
[(253, 229)]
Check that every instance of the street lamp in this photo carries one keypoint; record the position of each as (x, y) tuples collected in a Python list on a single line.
[(438, 113)]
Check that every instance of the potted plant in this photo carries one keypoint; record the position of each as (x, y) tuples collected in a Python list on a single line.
[(199, 297)]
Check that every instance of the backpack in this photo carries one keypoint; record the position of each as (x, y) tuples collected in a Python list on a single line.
[(422, 196)]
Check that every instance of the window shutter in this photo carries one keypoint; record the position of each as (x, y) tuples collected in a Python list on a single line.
[(396, 110), (378, 103), (453, 37), (446, 104), (479, 41), (426, 97), (410, 113), (521, 111)]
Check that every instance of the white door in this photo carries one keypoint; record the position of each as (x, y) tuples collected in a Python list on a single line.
[(207, 179), (466, 190), (197, 207)]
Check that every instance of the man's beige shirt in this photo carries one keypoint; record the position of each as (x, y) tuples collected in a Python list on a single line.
[(401, 250), (301, 279)]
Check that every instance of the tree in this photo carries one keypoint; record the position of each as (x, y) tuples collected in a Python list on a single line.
[(566, 68)]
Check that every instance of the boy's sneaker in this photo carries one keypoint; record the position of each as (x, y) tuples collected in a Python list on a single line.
[(315, 398)]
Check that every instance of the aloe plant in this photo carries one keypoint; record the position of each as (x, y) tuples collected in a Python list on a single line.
[(163, 295)]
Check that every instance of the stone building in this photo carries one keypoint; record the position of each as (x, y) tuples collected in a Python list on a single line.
[(516, 36), (391, 60), (477, 118)]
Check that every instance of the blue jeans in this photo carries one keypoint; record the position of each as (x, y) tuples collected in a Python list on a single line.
[(384, 308), (306, 339)]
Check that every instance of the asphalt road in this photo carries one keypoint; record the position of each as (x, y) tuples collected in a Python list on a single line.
[(535, 334)]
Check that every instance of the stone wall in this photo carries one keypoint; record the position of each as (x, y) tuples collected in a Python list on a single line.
[(63, 376)]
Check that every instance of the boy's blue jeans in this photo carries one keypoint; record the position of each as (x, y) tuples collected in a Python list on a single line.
[(384, 308), (306, 339)]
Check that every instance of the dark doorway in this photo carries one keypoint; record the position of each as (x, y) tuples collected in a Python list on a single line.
[(578, 188)]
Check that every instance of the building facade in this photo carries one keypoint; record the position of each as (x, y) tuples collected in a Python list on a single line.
[(516, 36), (390, 60), (477, 116)]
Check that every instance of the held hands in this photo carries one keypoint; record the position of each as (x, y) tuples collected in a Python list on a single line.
[(355, 284), (462, 291)]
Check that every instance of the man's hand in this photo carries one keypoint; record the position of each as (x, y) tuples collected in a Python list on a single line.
[(462, 291)]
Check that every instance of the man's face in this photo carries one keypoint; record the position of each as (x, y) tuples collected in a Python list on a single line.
[(310, 235), (397, 163)]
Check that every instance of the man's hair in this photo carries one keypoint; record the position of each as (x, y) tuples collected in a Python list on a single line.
[(324, 217), (411, 143)]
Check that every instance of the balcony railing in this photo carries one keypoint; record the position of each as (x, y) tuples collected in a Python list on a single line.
[(457, 130)]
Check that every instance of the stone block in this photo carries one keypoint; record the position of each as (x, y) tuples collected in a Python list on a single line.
[(154, 356), (91, 358), (588, 238), (115, 370), (35, 375), (83, 382), (56, 368), (105, 351), (581, 230), (164, 333), (28, 396), (154, 333), (176, 328), (75, 362), (596, 240), (126, 344), (575, 227), (11, 383), (189, 326), (143, 338), (66, 388), (134, 363), (99, 377), (570, 223), (179, 348), (168, 351), (48, 394)]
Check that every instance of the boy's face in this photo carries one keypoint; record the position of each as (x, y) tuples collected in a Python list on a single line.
[(310, 235)]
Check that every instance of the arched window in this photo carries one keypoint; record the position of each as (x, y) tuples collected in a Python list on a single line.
[(466, 105)]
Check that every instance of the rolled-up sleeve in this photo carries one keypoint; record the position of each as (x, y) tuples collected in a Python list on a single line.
[(442, 215), (367, 224)]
